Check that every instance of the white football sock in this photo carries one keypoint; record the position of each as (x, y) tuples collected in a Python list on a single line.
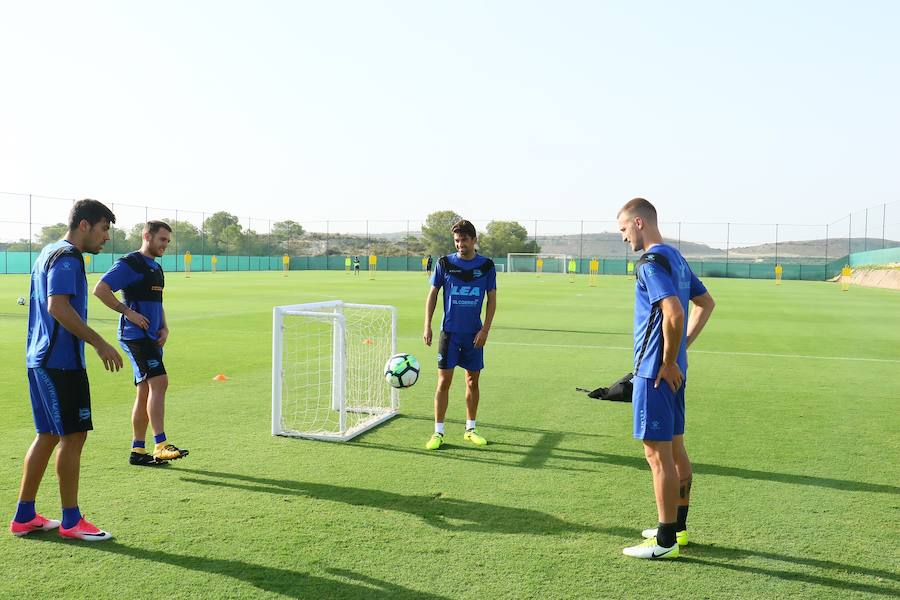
[(439, 428)]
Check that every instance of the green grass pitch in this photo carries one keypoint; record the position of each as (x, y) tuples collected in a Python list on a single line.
[(792, 427)]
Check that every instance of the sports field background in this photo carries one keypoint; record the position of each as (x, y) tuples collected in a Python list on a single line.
[(792, 426)]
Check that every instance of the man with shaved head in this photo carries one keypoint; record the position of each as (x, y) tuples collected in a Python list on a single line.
[(662, 333)]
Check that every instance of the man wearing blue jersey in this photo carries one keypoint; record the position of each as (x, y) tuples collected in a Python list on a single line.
[(143, 333), (665, 285), (57, 376), (467, 278)]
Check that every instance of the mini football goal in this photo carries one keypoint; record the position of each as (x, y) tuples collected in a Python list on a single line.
[(328, 369), (520, 262)]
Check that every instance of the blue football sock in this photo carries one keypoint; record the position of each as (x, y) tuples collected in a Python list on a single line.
[(25, 512), (71, 516), (160, 438), (138, 444)]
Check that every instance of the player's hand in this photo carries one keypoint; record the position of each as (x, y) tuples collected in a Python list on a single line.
[(672, 375), (137, 318), (427, 335), (161, 336), (110, 356), (481, 338)]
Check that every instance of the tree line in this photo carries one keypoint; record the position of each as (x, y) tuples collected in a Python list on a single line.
[(223, 234)]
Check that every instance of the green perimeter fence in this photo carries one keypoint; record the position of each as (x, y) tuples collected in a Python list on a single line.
[(21, 262)]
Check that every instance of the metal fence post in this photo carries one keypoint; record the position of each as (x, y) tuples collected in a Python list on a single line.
[(581, 245), (176, 240), (727, 246), (776, 243), (850, 238), (202, 239)]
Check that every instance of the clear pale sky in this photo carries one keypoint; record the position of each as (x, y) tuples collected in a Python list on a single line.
[(756, 112)]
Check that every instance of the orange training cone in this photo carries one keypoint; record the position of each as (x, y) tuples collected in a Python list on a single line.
[(220, 377), (368, 341)]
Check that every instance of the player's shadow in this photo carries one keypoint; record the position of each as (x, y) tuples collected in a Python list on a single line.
[(437, 510), (292, 584), (628, 334), (733, 559), (548, 448)]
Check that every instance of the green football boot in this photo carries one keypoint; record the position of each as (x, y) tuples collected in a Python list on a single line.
[(471, 436), (435, 441)]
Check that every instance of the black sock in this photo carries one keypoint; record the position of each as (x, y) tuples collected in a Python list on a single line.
[(681, 523), (665, 535)]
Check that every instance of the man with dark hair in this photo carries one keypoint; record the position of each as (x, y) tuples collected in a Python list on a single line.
[(665, 285), (143, 333), (57, 376), (466, 278), (356, 265)]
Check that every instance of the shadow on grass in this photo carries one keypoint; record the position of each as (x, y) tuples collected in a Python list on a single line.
[(547, 447), (628, 334), (730, 558), (293, 584), (435, 509)]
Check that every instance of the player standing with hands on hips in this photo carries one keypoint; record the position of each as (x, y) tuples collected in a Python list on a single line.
[(57, 375), (143, 333), (664, 287), (466, 278)]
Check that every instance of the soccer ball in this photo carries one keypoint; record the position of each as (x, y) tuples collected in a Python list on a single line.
[(20, 301), (401, 370)]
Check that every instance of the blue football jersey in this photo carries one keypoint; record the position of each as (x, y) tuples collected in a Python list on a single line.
[(59, 270), (465, 284), (121, 276), (657, 280)]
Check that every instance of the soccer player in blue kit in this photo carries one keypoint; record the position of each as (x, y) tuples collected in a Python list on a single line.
[(665, 285), (142, 334), (467, 278), (57, 375)]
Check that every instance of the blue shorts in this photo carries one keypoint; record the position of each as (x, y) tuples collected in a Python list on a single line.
[(60, 400), (145, 357), (658, 412), (458, 350)]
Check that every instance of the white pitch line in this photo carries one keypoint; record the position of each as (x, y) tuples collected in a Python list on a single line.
[(758, 354)]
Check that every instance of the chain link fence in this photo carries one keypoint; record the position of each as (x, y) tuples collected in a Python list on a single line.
[(224, 241)]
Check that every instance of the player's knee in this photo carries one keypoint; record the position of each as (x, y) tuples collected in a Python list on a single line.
[(159, 383), (72, 441), (47, 441)]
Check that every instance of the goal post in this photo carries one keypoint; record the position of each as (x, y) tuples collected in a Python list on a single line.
[(328, 369), (525, 262)]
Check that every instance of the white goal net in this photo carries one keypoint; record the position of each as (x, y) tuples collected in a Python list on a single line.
[(328, 369), (520, 262)]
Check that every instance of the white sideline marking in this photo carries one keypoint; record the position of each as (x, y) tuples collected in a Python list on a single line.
[(759, 354)]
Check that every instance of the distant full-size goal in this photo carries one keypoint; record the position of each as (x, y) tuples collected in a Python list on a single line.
[(328, 369)]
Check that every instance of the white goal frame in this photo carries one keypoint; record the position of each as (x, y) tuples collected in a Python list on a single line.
[(331, 311), (562, 258)]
